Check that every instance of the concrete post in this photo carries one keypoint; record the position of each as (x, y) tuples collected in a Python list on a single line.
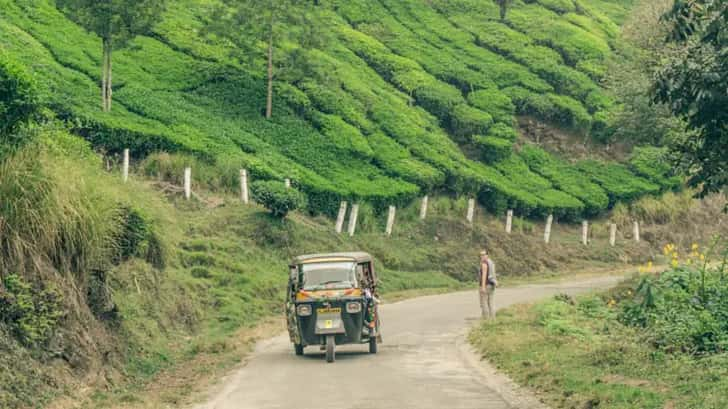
[(288, 183), (636, 231), (423, 208), (613, 234), (585, 232), (340, 217), (188, 183), (125, 168), (471, 210), (390, 219), (352, 219), (509, 221), (547, 230), (244, 186)]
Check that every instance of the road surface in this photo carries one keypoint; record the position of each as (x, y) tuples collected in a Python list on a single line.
[(424, 362)]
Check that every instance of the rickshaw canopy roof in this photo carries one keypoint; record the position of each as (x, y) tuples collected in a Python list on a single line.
[(356, 256)]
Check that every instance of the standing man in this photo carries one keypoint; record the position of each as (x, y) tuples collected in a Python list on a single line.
[(487, 283)]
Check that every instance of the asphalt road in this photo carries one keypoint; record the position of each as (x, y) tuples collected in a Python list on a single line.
[(424, 362)]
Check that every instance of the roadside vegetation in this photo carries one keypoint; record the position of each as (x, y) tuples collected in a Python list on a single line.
[(659, 340)]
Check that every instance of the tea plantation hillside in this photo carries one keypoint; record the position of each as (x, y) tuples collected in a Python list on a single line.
[(406, 97)]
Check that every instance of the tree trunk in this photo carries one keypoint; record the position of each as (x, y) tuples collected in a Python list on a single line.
[(109, 82), (106, 76), (104, 71), (269, 100)]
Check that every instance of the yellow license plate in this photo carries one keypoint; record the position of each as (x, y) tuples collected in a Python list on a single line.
[(336, 310)]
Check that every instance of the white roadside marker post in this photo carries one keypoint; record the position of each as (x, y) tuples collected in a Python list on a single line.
[(636, 231), (585, 232), (288, 183), (352, 219), (423, 208), (390, 219), (125, 169), (547, 230), (471, 210), (188, 183), (613, 234), (509, 221), (244, 196), (340, 216)]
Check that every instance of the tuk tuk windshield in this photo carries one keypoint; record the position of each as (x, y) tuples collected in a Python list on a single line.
[(318, 276)]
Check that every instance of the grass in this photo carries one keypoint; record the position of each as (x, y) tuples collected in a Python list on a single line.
[(576, 354)]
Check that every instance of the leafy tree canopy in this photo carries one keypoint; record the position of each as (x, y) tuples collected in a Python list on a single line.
[(115, 20), (695, 85)]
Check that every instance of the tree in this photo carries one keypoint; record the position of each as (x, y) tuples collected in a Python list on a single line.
[(695, 85), (637, 119), (117, 22), (249, 23), (277, 198), (503, 4)]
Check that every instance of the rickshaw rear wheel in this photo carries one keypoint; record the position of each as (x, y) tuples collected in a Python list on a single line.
[(373, 345), (298, 348), (330, 348)]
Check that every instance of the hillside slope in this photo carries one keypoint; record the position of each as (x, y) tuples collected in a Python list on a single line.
[(407, 97)]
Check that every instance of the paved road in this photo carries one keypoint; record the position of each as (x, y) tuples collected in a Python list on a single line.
[(421, 363)]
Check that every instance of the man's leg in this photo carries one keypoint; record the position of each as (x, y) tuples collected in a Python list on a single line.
[(491, 301)]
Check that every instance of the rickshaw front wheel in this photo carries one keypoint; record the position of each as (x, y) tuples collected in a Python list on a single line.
[(298, 348), (330, 348)]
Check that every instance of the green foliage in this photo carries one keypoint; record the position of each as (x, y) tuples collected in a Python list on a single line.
[(19, 101), (682, 310), (693, 84), (619, 183), (653, 163), (118, 20), (30, 312), (494, 102), (567, 178), (466, 120), (277, 198), (492, 148)]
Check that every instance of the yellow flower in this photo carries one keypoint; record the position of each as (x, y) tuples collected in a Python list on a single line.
[(702, 257), (674, 263), (694, 247), (649, 264), (629, 292)]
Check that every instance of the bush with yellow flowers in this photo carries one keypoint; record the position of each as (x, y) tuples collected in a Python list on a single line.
[(683, 309)]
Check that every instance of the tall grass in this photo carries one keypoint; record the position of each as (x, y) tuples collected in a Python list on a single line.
[(50, 217)]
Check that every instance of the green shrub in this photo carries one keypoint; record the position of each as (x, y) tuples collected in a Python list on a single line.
[(653, 163), (466, 120), (19, 102), (31, 312), (681, 310), (494, 102), (277, 198), (492, 148), (503, 131), (619, 183)]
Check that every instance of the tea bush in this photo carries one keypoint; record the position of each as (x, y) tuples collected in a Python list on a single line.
[(492, 148), (19, 101), (276, 197)]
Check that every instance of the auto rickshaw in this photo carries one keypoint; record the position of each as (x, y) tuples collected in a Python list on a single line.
[(332, 299)]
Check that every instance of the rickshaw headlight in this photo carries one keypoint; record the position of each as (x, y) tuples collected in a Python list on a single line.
[(353, 307), (303, 310)]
